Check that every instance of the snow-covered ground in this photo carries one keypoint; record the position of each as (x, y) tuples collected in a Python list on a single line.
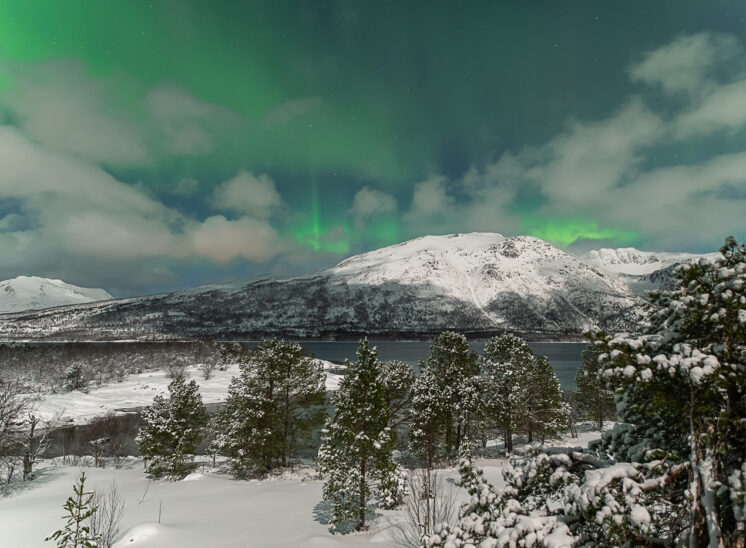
[(138, 391), (207, 509)]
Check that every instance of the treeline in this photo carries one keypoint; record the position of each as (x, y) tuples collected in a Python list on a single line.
[(278, 401), (79, 365)]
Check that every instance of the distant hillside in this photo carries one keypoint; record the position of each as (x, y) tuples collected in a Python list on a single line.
[(480, 283), (33, 293)]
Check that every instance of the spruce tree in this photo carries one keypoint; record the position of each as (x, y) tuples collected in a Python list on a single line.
[(592, 397), (272, 408), (452, 364), (356, 445), (79, 508), (173, 429)]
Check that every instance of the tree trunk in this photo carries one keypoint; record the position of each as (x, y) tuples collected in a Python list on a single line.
[(361, 511)]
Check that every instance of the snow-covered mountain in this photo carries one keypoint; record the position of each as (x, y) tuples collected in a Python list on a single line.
[(480, 283), (642, 271), (33, 293), (628, 260)]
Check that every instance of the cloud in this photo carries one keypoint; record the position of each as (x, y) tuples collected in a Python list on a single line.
[(188, 124), (430, 200), (222, 240), (109, 120), (687, 64), (607, 178), (724, 108), (369, 203), (247, 193), (77, 222), (291, 110), (58, 105)]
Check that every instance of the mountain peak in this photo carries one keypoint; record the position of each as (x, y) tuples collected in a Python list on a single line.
[(33, 293)]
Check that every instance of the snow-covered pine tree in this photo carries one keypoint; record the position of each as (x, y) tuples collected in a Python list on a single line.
[(398, 382), (507, 363), (452, 363), (172, 429), (356, 444), (272, 408), (673, 472), (426, 439), (76, 532), (548, 414), (592, 398)]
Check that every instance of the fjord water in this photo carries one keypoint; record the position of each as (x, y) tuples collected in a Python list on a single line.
[(563, 356)]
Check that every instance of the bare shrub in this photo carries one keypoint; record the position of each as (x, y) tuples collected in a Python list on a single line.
[(105, 521), (431, 501), (176, 370), (208, 368)]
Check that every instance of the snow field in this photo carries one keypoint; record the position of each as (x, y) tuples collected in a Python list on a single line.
[(208, 508), (138, 391)]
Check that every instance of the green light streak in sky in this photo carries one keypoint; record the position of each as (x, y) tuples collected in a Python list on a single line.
[(566, 231)]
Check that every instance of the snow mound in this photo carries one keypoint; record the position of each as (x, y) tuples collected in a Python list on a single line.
[(140, 533)]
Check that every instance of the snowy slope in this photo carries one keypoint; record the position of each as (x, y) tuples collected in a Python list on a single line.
[(32, 293), (628, 260), (479, 283)]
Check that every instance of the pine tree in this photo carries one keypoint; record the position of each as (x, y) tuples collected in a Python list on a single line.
[(672, 471), (356, 445), (426, 435), (173, 429), (79, 508), (592, 398), (506, 365), (548, 414), (398, 380), (272, 408), (452, 363)]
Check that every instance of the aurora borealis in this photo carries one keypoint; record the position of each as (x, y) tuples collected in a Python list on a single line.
[(159, 145)]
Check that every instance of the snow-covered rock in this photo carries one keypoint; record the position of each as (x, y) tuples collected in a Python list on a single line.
[(33, 293), (480, 283)]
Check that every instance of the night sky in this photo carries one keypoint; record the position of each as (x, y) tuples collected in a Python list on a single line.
[(149, 146)]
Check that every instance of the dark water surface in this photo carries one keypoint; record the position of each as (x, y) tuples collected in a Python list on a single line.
[(564, 357)]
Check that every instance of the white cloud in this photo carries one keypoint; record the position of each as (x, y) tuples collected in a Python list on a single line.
[(188, 124), (430, 200), (370, 203), (247, 193), (688, 63), (89, 227), (724, 108), (222, 240), (58, 105), (607, 170)]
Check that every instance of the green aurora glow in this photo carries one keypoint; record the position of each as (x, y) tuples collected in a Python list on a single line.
[(327, 98)]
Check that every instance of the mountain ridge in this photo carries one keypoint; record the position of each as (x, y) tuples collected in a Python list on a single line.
[(479, 283)]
